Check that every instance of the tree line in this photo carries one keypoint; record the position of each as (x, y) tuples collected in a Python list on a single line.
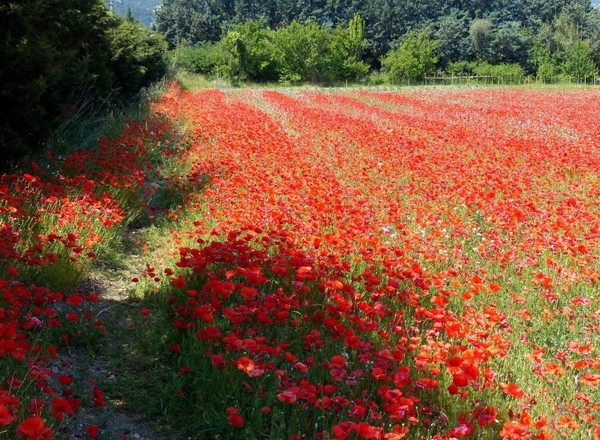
[(295, 53), (548, 38)]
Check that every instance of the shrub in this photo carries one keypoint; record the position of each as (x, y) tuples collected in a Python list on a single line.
[(345, 48), (249, 46), (413, 59), (63, 58), (546, 65), (504, 72), (137, 56), (251, 51), (300, 52), (208, 59), (579, 63), (460, 68), (52, 54)]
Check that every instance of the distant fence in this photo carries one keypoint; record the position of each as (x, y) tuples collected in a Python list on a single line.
[(483, 79), (459, 79), (572, 80)]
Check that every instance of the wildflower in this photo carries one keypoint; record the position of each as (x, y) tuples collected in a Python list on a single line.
[(6, 417), (92, 431), (34, 428), (234, 418), (287, 397)]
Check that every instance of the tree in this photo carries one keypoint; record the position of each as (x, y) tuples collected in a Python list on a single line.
[(61, 59), (481, 36), (144, 11), (413, 59), (300, 52), (345, 48), (540, 57), (592, 33), (565, 32), (54, 54), (498, 30), (509, 44), (536, 13), (129, 16), (250, 47), (452, 32), (579, 63), (356, 36), (295, 53), (192, 21), (137, 56)]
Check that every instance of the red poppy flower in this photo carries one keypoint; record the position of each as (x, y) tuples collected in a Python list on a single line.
[(92, 431), (287, 397), (6, 417), (34, 428)]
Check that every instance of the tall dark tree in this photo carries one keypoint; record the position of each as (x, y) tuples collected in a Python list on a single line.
[(594, 34), (534, 13), (50, 52), (192, 21), (59, 59), (452, 32), (143, 11)]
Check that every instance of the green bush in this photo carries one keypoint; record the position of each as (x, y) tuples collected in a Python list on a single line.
[(301, 52), (345, 48), (52, 54), (548, 72), (61, 59), (245, 53), (413, 59), (545, 64), (376, 78), (579, 63), (250, 48), (137, 57), (505, 72), (209, 59), (251, 51), (460, 68)]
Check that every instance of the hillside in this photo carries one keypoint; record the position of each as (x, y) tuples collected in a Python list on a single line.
[(142, 10)]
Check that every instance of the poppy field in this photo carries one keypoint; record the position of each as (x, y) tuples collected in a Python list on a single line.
[(352, 264)]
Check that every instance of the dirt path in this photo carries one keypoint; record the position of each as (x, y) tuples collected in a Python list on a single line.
[(113, 362)]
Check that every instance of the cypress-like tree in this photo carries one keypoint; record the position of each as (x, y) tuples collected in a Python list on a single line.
[(53, 54), (61, 57)]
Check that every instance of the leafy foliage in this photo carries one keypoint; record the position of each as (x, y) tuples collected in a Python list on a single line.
[(413, 59), (209, 59), (300, 51), (346, 47), (191, 21), (251, 51), (59, 58), (452, 32), (250, 48), (503, 71), (497, 31), (48, 52), (137, 56), (579, 62)]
